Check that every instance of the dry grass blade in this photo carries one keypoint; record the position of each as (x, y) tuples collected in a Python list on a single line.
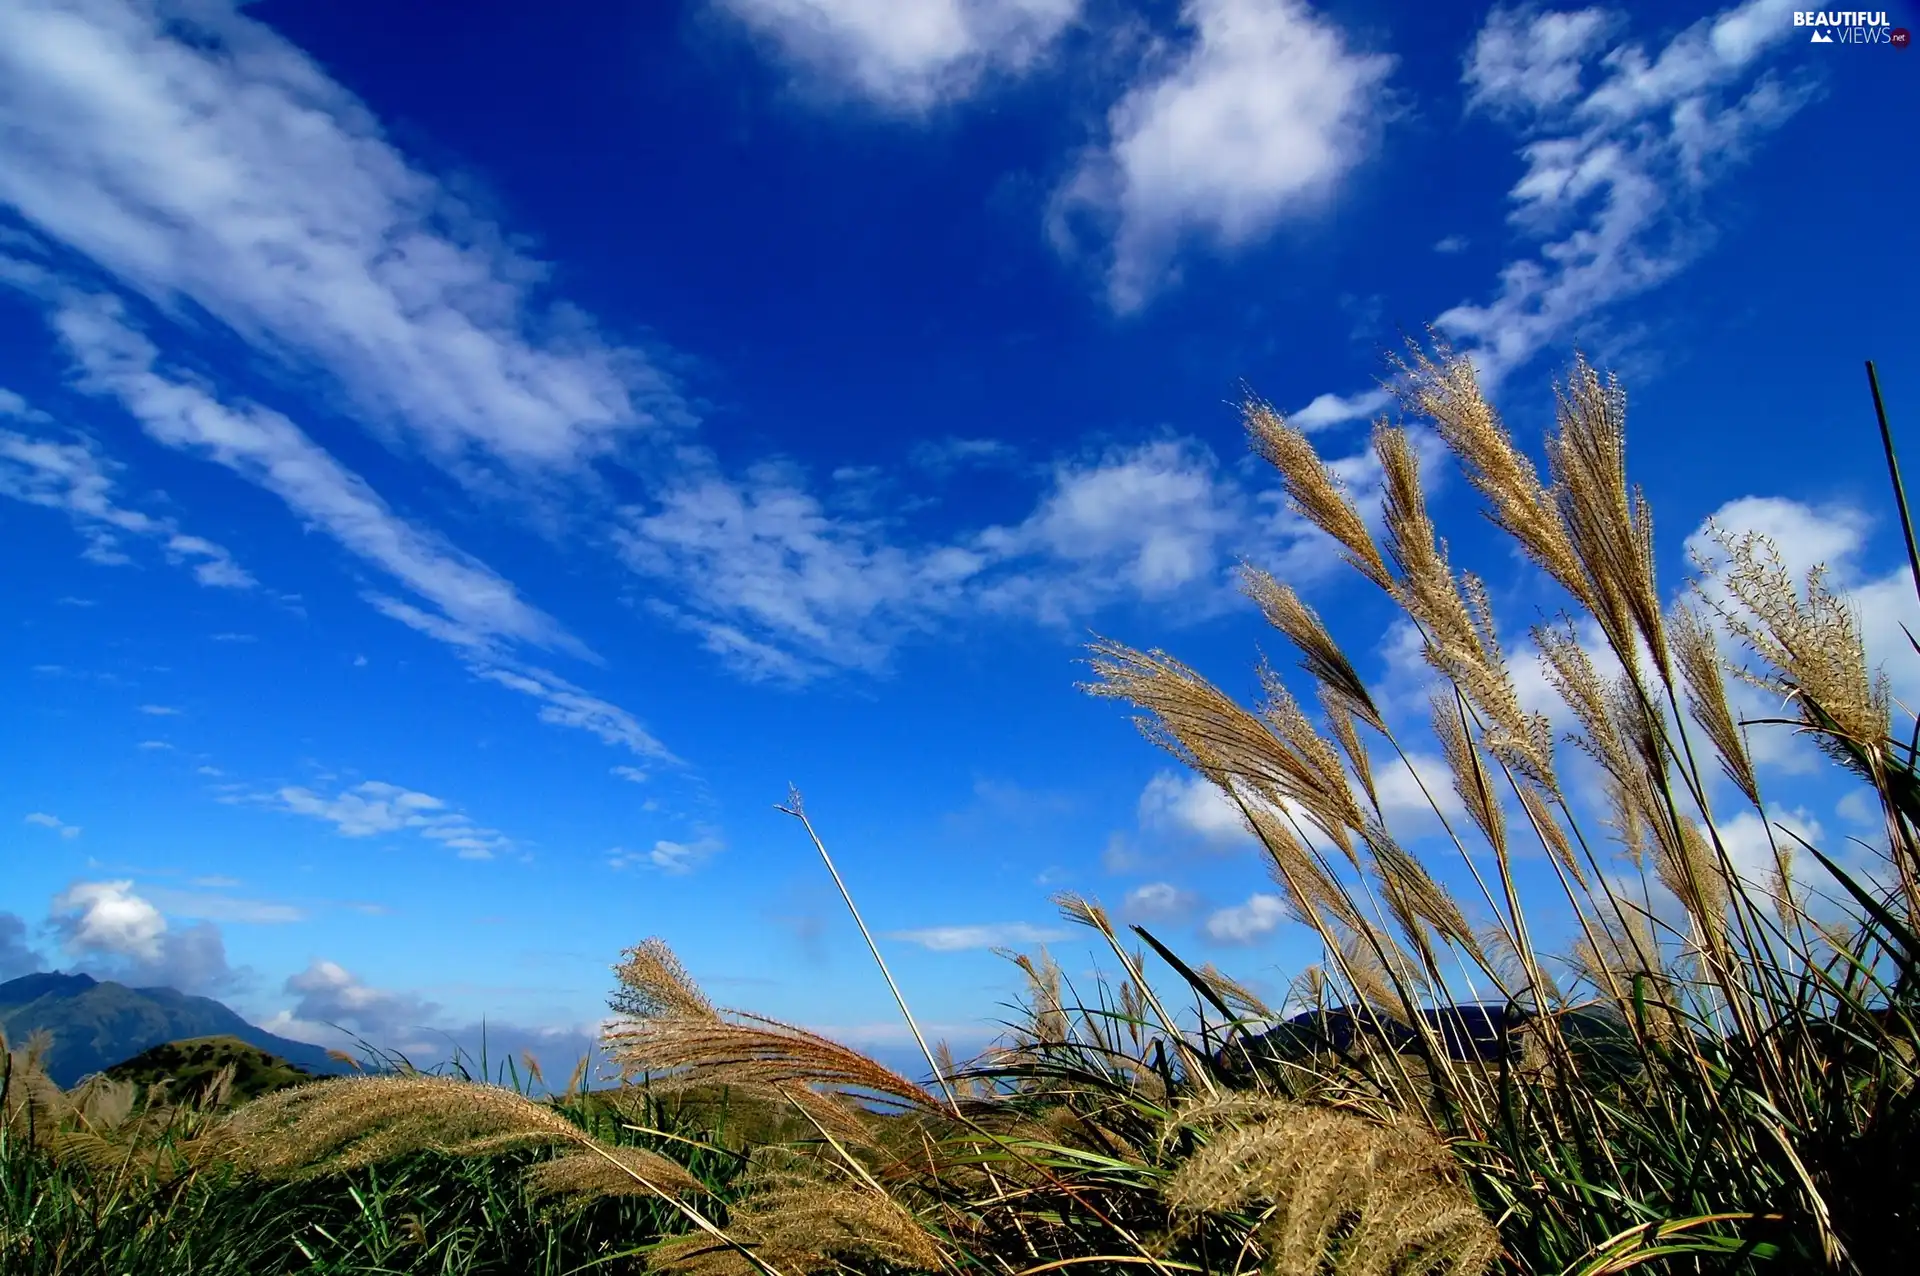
[(1458, 627), (1320, 655), (1205, 728), (797, 1220), (1813, 644), (1336, 1195), (1312, 489), (1445, 388), (755, 1052), (1700, 663), (347, 1122)]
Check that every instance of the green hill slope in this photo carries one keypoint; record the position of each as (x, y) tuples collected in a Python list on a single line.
[(98, 1023), (189, 1066)]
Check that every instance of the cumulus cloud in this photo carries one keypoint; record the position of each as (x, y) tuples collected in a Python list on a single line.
[(110, 929), (333, 1006), (17, 956), (328, 993), (1256, 119), (1159, 902), (907, 55), (375, 807), (953, 939), (1192, 808), (1246, 923)]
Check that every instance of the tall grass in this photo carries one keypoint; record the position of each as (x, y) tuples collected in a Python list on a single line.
[(1681, 1060)]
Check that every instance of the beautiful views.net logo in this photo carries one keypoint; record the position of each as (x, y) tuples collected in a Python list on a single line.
[(1848, 26)]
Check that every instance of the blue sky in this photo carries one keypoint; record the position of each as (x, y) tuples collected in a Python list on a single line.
[(460, 474)]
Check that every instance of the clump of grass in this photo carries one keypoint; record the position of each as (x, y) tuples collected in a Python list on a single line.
[(1771, 1025)]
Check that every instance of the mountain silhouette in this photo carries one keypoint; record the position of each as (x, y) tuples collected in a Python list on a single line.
[(98, 1023)]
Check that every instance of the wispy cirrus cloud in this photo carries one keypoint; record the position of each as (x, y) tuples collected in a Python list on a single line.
[(73, 476), (779, 586), (374, 807), (676, 858), (155, 142), (1619, 147), (197, 156), (43, 820), (953, 939), (460, 600)]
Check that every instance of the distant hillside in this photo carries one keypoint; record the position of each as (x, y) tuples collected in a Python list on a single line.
[(189, 1066), (98, 1023)]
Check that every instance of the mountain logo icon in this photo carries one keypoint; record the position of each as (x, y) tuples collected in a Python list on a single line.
[(1820, 37)]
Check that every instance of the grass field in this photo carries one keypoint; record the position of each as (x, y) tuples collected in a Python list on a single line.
[(1716, 1074)]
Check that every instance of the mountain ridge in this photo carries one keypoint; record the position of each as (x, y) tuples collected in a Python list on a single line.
[(98, 1023)]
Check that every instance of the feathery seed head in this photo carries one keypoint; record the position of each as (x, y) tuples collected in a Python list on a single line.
[(1313, 491)]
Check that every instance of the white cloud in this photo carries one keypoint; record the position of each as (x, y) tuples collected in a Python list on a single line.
[(268, 449), (952, 939), (330, 1000), (1404, 805), (780, 587), (1614, 172), (632, 774), (1151, 520), (156, 746), (1246, 923), (108, 917), (676, 859), (1619, 148), (54, 822), (196, 156), (475, 610), (1257, 119), (908, 55), (1193, 808), (111, 929), (1451, 244), (329, 993), (74, 478), (1747, 843), (159, 711), (1526, 61), (1159, 902), (1334, 409), (374, 807)]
